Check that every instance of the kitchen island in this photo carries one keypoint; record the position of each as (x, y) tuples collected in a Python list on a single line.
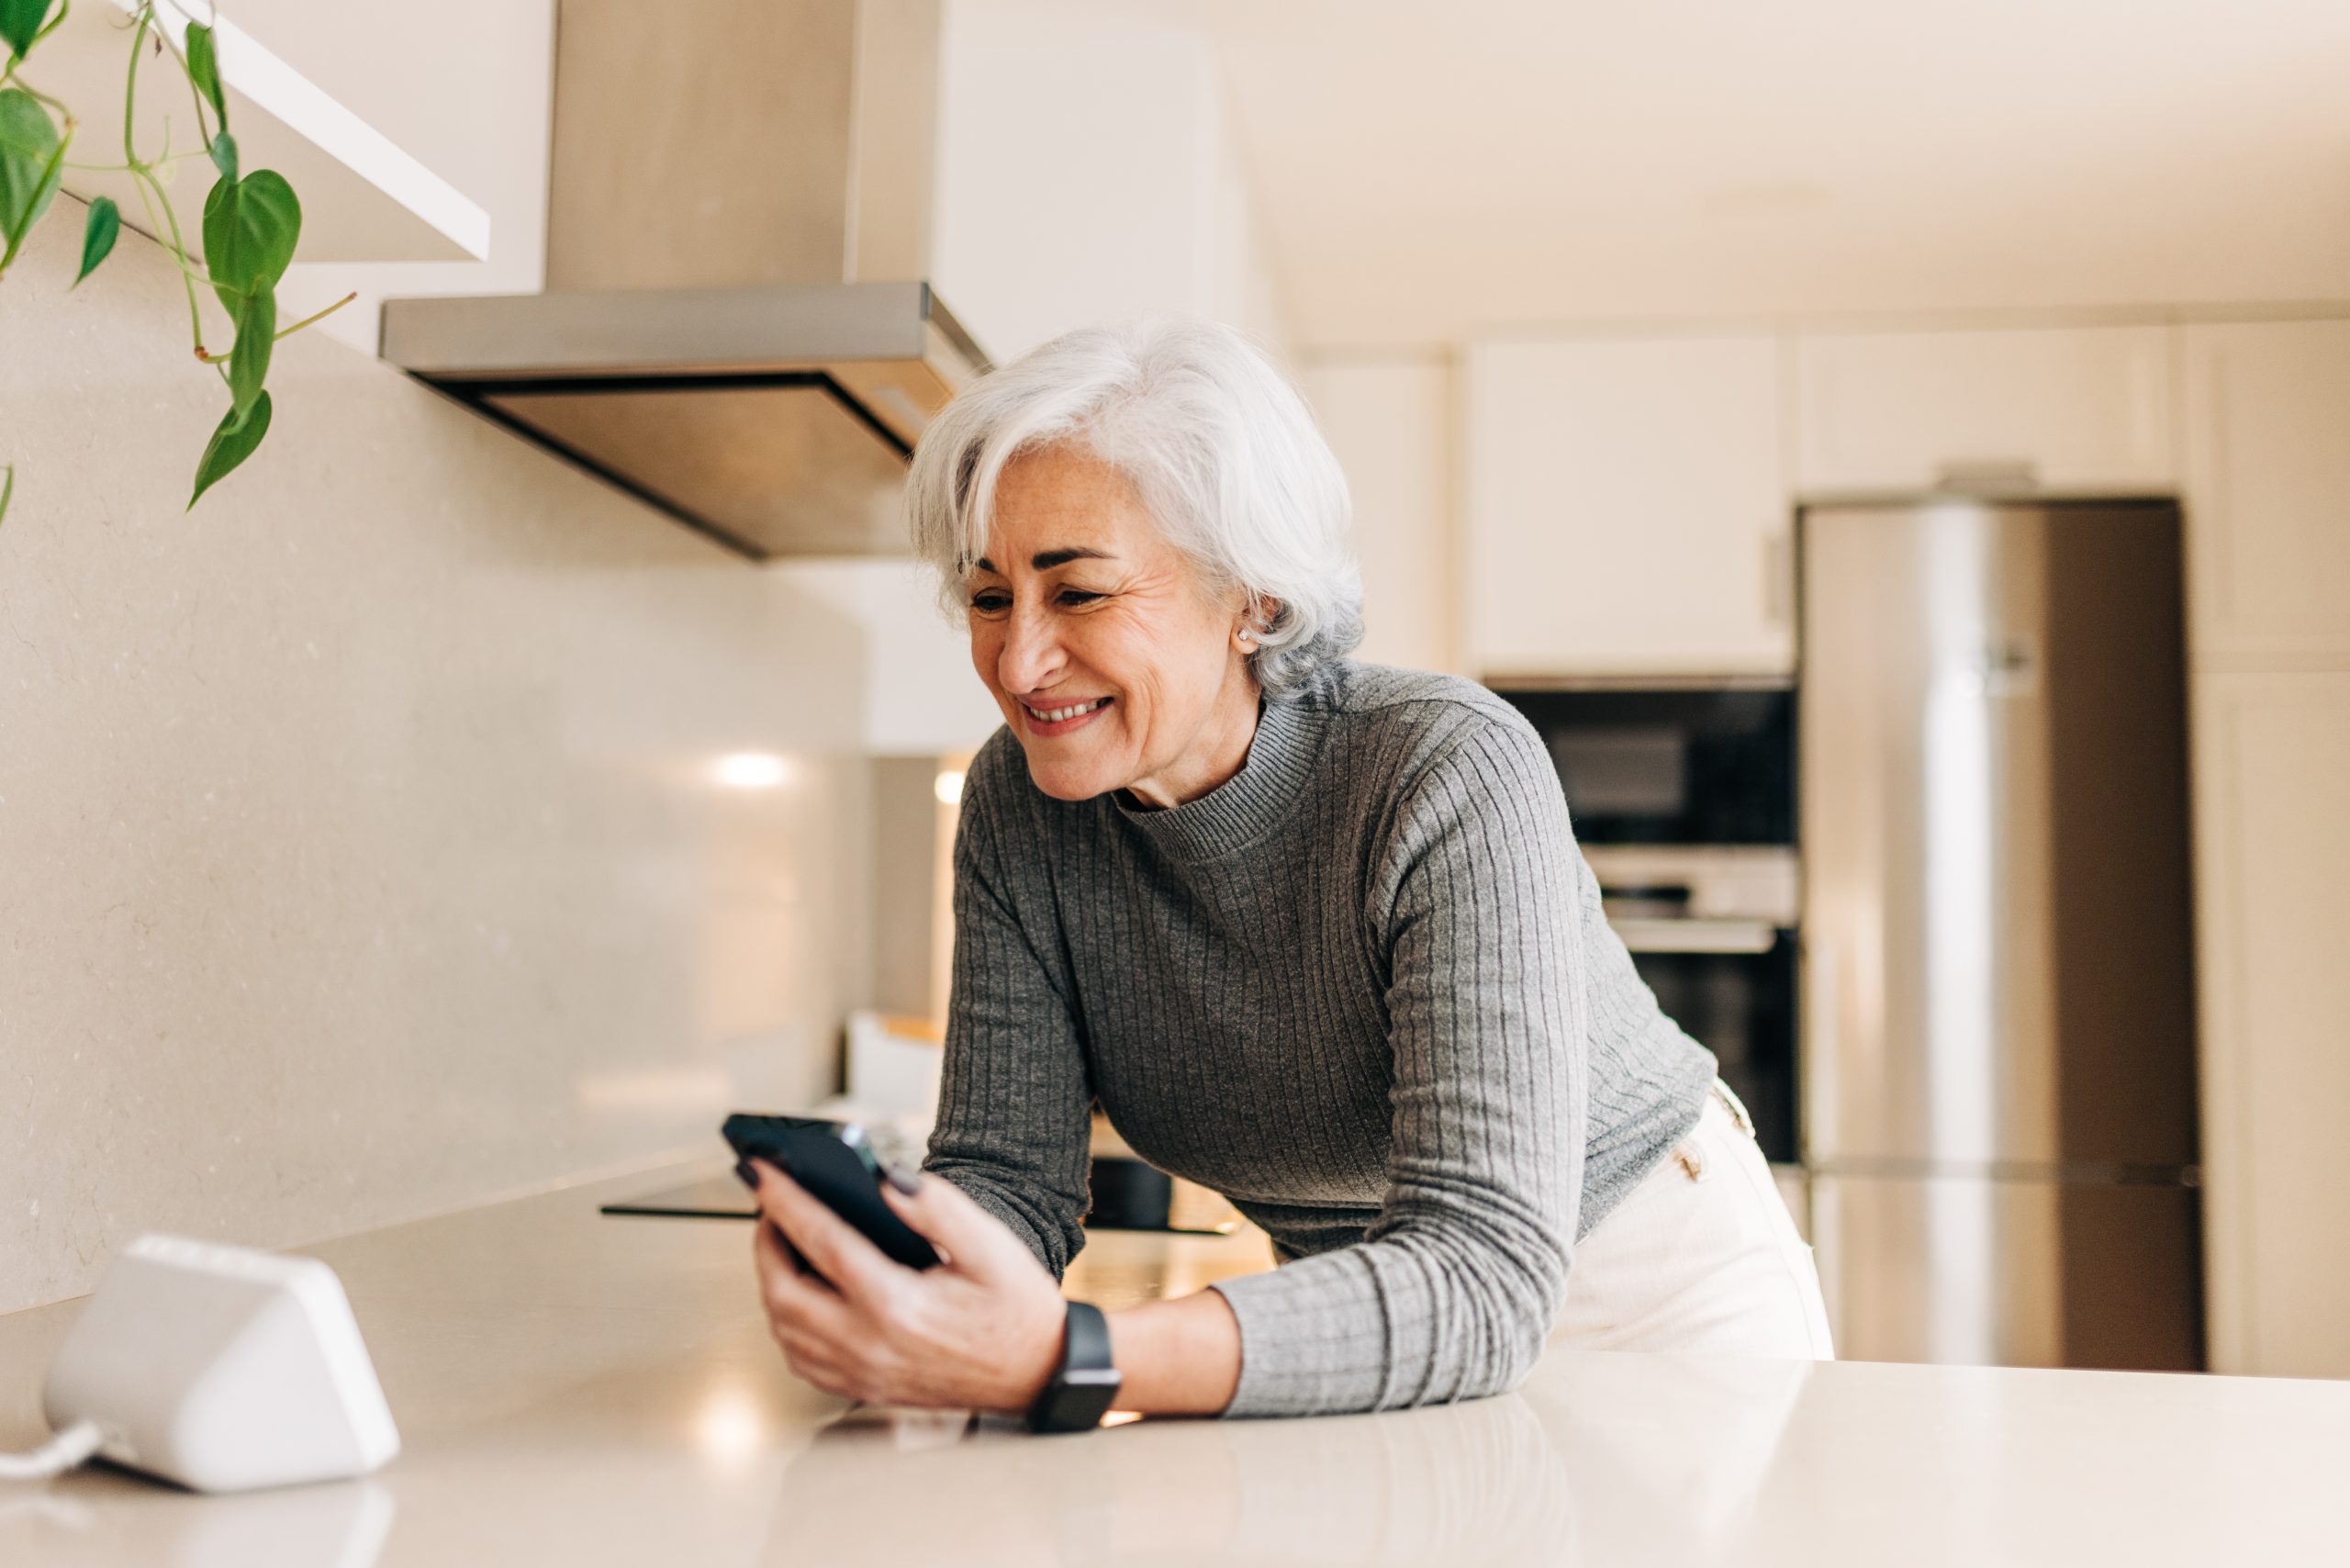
[(581, 1390)]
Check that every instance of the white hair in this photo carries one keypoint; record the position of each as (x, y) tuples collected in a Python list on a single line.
[(1218, 446)]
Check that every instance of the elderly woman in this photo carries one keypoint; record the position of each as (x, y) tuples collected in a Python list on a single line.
[(1312, 932)]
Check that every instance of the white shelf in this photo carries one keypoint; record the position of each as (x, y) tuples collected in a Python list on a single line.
[(363, 199)]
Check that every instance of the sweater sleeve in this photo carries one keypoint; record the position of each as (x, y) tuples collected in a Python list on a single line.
[(1014, 1111), (1452, 1291)]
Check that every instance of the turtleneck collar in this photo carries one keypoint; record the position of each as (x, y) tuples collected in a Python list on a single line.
[(1253, 801)]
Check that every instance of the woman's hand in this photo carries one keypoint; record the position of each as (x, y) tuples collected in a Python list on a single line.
[(980, 1331)]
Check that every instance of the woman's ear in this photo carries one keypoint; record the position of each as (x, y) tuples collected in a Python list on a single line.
[(1255, 617)]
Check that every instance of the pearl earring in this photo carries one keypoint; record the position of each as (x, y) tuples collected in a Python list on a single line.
[(1246, 635)]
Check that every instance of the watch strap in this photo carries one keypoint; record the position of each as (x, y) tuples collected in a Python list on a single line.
[(1086, 1347), (1087, 1380)]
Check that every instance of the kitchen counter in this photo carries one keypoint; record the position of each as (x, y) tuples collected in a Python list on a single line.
[(582, 1390)]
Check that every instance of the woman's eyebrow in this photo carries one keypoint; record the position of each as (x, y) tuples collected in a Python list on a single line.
[(1046, 560)]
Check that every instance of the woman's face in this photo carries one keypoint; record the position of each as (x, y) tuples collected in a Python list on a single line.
[(1111, 660)]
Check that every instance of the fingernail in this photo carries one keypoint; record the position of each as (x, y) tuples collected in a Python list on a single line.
[(905, 1178), (748, 1173)]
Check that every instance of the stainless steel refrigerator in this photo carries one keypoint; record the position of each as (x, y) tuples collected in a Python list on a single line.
[(1999, 1046)]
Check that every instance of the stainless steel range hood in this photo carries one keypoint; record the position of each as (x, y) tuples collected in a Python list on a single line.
[(734, 329), (776, 420)]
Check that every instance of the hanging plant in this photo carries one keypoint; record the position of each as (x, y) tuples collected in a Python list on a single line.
[(251, 221)]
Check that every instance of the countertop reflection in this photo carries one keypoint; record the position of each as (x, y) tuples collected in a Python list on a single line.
[(584, 1390)]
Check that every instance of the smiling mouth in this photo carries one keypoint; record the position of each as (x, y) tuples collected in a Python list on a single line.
[(1061, 715)]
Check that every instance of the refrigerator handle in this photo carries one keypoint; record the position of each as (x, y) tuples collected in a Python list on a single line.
[(1778, 579)]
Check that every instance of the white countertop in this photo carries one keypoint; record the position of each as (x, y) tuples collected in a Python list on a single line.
[(579, 1390)]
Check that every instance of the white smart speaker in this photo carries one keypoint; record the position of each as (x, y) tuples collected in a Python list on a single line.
[(222, 1369)]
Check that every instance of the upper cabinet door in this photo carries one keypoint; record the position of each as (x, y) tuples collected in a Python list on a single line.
[(2082, 409), (2268, 489), (1625, 509)]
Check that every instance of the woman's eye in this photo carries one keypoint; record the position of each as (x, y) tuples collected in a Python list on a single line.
[(991, 603), (1077, 596)]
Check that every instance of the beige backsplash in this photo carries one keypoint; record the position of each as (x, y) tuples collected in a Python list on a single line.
[(359, 852)]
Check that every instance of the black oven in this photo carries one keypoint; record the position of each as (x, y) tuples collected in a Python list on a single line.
[(1684, 802)]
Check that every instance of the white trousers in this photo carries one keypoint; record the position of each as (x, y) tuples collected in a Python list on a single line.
[(1702, 1256)]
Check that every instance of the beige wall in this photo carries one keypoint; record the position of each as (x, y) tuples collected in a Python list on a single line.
[(1390, 423), (359, 856), (921, 696), (1089, 172)]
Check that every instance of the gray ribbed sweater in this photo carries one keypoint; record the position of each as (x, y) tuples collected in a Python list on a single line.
[(1363, 988)]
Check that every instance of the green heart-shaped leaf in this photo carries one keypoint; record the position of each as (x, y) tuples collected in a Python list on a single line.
[(203, 66), (219, 239), (98, 235), (32, 158), (29, 147), (7, 487), (231, 444), (20, 24), (250, 229), (25, 126), (249, 360), (224, 156)]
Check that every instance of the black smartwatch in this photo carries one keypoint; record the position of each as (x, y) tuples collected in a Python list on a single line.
[(1086, 1380)]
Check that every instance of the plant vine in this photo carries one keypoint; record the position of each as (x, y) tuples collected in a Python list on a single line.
[(251, 221)]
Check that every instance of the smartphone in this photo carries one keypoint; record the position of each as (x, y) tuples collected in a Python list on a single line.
[(834, 1161)]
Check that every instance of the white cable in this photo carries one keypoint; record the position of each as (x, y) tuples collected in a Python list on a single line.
[(62, 1452)]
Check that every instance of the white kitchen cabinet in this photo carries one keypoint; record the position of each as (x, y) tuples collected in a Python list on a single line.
[(2273, 857), (1625, 509), (2268, 490), (2080, 409)]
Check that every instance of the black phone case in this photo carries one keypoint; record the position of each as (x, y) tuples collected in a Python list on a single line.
[(832, 1161)]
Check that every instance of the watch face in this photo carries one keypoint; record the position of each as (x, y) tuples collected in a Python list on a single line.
[(1084, 1404), (1076, 1401)]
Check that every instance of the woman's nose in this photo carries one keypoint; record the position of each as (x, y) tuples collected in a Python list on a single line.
[(1031, 658)]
